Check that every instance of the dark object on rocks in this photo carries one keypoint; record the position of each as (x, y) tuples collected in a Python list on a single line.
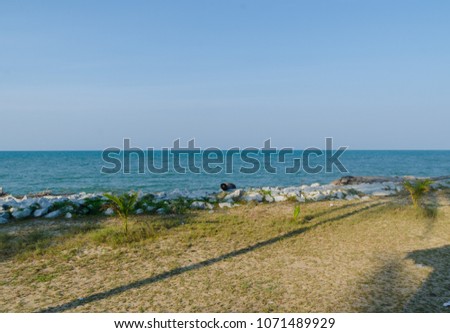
[(227, 186)]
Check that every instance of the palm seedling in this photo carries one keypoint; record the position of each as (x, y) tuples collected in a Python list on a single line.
[(123, 205), (417, 189)]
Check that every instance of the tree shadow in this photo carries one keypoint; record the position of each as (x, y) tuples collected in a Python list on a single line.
[(385, 291), (390, 290), (435, 291), (429, 210), (180, 270), (309, 217)]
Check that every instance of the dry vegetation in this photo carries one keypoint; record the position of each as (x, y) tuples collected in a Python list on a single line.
[(374, 256)]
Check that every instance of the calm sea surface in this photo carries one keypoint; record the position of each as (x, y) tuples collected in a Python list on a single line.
[(71, 172)]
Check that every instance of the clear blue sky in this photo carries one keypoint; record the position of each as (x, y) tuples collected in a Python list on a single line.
[(85, 74)]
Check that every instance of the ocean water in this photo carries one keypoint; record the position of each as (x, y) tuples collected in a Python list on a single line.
[(80, 171)]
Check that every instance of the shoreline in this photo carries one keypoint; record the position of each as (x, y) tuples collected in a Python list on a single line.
[(48, 206)]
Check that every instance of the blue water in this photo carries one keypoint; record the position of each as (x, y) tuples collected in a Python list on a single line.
[(71, 172)]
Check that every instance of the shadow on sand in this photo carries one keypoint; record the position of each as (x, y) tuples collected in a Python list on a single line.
[(180, 270), (435, 291)]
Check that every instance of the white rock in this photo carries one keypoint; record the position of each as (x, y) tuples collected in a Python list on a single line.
[(339, 195), (225, 205), (21, 214), (209, 206), (301, 198), (40, 212), (198, 205), (54, 214), (317, 196), (161, 211), (279, 198), (274, 192), (268, 198), (447, 304), (109, 212), (253, 196), (315, 185), (382, 193), (68, 216), (234, 195), (150, 209), (139, 211), (292, 194)]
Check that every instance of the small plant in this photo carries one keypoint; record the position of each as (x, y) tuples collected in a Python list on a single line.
[(179, 205), (297, 211), (123, 205), (417, 189)]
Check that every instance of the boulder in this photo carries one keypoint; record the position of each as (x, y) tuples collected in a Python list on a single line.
[(3, 220), (253, 196), (68, 216), (225, 205), (318, 196), (40, 212), (235, 195), (198, 205), (21, 214), (279, 198), (301, 198), (53, 215), (109, 212), (383, 193)]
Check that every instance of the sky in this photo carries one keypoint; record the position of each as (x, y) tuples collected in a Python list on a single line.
[(83, 75)]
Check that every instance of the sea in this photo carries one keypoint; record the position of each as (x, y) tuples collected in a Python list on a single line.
[(67, 172)]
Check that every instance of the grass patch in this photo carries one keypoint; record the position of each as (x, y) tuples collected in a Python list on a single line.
[(45, 277), (36, 241)]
